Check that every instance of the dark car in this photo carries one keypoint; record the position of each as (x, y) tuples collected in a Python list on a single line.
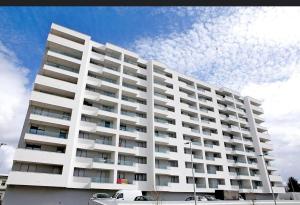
[(100, 196), (199, 198), (143, 198)]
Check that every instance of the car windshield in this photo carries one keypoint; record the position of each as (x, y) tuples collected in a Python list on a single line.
[(115, 195), (102, 195), (149, 198)]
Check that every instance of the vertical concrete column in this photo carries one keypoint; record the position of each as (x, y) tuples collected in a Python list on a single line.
[(150, 128), (76, 114), (257, 147), (179, 134), (115, 171)]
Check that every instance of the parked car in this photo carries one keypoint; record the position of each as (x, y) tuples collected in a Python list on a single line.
[(199, 198), (143, 198), (210, 198), (128, 195), (100, 196)]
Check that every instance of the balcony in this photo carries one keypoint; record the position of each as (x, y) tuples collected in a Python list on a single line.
[(162, 154), (278, 189), (52, 114), (48, 133), (102, 160), (35, 179), (100, 180), (185, 85), (48, 84), (162, 138), (126, 163), (264, 135), (52, 38), (51, 99), (55, 67), (39, 156), (208, 145), (64, 56), (258, 110), (275, 178), (101, 163), (267, 146)]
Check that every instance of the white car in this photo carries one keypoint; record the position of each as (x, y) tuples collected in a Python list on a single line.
[(121, 195)]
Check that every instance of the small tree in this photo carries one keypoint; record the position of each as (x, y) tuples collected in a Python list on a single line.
[(293, 185)]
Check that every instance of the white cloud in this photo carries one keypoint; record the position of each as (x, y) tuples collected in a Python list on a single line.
[(228, 49), (272, 25), (256, 50), (281, 102), (13, 104)]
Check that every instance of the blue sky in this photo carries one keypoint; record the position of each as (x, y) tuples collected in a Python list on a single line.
[(255, 50), (24, 29)]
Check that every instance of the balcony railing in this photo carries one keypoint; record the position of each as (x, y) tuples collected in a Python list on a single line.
[(162, 150), (64, 116), (200, 185), (102, 160), (162, 183), (162, 135), (103, 124), (100, 180), (161, 166), (66, 54), (209, 145), (62, 67), (210, 158), (48, 133), (101, 141), (126, 163)]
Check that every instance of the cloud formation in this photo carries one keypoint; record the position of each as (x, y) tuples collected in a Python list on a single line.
[(13, 104), (228, 49), (254, 50), (282, 112)]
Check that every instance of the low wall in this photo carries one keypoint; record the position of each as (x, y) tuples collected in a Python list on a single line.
[(28, 195), (289, 196), (260, 202)]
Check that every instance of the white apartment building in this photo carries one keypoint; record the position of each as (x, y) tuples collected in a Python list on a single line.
[(101, 118)]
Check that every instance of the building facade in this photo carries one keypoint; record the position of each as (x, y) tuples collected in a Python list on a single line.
[(102, 118), (3, 179)]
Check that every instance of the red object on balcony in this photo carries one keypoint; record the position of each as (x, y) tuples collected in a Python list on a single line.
[(122, 181)]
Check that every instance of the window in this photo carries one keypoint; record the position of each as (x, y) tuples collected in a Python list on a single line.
[(141, 144), (60, 149), (56, 170), (173, 163), (81, 153), (123, 127), (173, 149), (3, 182), (121, 175), (24, 167), (63, 134), (107, 124), (140, 177), (174, 179), (79, 172), (83, 135), (141, 160), (120, 196)]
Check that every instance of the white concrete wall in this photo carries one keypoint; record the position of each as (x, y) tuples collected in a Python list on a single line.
[(72, 86)]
